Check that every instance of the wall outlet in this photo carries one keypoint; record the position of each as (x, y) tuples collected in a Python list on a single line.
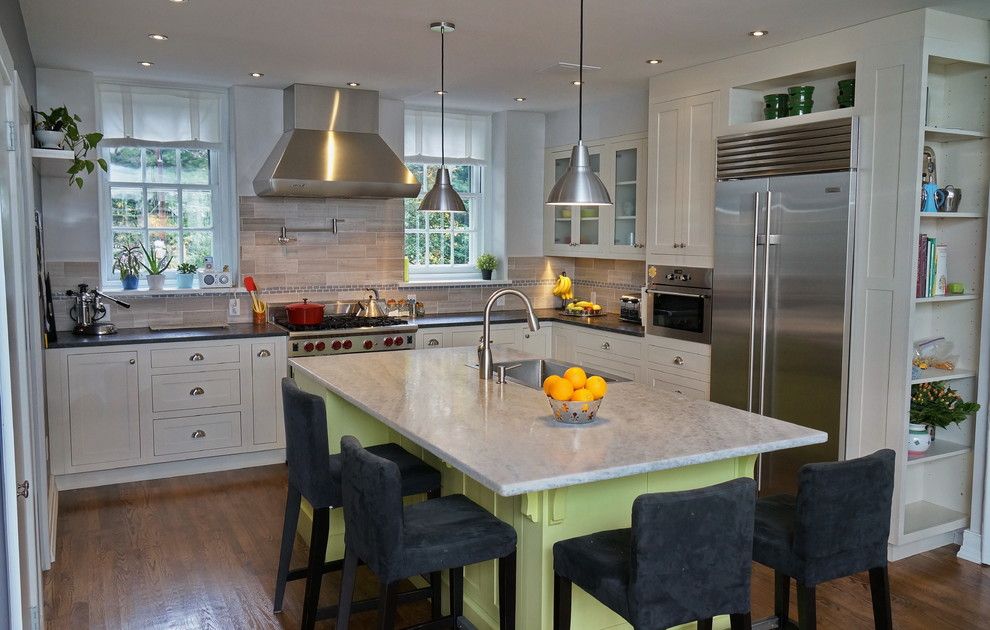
[(234, 307), (500, 301)]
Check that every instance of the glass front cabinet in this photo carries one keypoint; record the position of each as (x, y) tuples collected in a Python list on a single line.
[(616, 231)]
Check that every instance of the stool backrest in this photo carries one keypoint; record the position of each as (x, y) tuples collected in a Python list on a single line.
[(372, 489), (307, 446), (843, 514), (692, 554)]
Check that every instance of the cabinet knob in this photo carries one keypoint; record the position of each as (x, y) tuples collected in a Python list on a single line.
[(197, 391), (678, 361), (606, 345), (196, 356), (677, 391), (264, 354), (433, 342), (526, 335), (132, 361), (197, 434)]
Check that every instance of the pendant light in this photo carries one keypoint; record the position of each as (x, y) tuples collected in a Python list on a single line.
[(442, 197), (579, 185)]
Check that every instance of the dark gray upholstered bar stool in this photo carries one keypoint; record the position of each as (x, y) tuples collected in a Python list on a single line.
[(314, 474), (837, 525), (397, 542), (687, 557)]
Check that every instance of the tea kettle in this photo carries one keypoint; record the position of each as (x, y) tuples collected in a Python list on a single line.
[(373, 306), (89, 309)]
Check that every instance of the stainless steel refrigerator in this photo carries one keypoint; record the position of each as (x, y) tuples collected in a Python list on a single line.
[(780, 313)]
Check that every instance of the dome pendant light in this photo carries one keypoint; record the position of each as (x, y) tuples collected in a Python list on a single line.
[(579, 186), (442, 197)]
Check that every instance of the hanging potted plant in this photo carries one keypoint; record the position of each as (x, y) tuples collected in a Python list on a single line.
[(155, 267), (127, 262), (934, 405), (487, 264), (57, 129), (185, 275)]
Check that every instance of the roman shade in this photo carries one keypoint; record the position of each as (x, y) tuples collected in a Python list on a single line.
[(138, 115), (466, 137)]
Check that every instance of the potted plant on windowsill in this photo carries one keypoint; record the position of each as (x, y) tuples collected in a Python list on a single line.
[(155, 267), (57, 129), (127, 262), (487, 263), (934, 405), (185, 275)]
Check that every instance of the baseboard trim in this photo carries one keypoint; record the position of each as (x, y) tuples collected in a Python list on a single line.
[(899, 552), (972, 547), (169, 469), (52, 520)]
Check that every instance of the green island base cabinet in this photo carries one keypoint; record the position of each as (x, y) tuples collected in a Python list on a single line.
[(119, 413)]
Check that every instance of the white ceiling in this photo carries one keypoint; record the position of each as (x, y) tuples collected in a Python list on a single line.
[(500, 49)]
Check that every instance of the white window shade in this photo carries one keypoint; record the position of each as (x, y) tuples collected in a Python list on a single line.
[(466, 137), (134, 115)]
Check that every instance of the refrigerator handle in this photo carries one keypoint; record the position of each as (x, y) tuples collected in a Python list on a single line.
[(766, 304), (752, 304)]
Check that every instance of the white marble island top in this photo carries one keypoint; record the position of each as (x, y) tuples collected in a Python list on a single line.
[(504, 436)]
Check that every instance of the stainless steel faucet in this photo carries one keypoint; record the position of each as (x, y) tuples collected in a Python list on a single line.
[(485, 349)]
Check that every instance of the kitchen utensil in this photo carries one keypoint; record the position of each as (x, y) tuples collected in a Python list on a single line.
[(89, 309), (630, 308), (373, 306), (253, 289), (574, 412), (952, 197), (342, 308), (932, 197), (929, 174), (304, 313)]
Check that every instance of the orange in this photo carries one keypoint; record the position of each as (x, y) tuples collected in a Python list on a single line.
[(550, 380), (561, 389), (597, 386), (582, 395), (576, 376)]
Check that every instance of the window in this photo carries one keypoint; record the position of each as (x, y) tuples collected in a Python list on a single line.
[(444, 241)]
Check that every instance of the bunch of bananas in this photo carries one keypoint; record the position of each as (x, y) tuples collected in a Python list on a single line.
[(563, 288)]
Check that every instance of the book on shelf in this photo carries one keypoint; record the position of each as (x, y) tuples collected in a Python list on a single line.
[(933, 268)]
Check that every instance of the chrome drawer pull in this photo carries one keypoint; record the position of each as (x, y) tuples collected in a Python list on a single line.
[(197, 391), (678, 361), (433, 342), (198, 433), (196, 357), (264, 354), (606, 345)]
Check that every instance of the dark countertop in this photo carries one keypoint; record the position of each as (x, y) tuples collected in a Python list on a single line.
[(609, 322), (145, 335)]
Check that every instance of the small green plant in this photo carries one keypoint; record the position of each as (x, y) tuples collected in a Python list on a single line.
[(186, 268), (60, 119), (487, 262), (939, 405), (154, 265), (127, 261)]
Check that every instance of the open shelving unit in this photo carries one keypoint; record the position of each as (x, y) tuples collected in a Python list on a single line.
[(746, 101), (52, 162)]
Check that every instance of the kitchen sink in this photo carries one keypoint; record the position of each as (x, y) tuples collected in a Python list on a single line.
[(532, 372)]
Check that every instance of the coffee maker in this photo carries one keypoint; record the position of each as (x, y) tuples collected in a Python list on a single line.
[(88, 310)]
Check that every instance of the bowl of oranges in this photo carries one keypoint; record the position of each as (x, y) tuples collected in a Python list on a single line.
[(574, 397)]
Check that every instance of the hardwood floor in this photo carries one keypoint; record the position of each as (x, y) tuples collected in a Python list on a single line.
[(200, 552)]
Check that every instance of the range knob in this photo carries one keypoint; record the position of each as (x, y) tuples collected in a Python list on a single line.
[(308, 347), (369, 344), (685, 277), (347, 344), (321, 346), (335, 345), (670, 276), (398, 341), (388, 342)]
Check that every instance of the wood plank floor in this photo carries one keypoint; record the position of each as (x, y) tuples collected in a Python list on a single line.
[(200, 552)]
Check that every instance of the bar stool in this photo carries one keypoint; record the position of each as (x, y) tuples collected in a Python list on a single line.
[(314, 474), (687, 557), (836, 526), (397, 542)]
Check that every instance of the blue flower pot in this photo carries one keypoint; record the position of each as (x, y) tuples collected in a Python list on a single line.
[(130, 283), (184, 280)]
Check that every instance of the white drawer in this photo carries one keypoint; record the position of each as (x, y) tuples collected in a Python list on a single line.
[(628, 348), (593, 362), (679, 362), (467, 337), (195, 356), (688, 387), (198, 390), (197, 433)]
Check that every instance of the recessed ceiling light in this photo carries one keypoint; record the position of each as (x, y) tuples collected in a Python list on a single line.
[(520, 99), (146, 64), (441, 92), (257, 75), (157, 36), (758, 33), (654, 62), (178, 1), (575, 83), (353, 83)]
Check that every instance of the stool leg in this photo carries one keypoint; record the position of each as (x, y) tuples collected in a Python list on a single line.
[(561, 602), (743, 621), (346, 589), (317, 556), (456, 594), (705, 624), (880, 592), (507, 592), (807, 616), (292, 500), (435, 609), (781, 598), (386, 605)]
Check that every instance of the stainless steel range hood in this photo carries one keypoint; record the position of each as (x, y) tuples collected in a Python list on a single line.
[(331, 148)]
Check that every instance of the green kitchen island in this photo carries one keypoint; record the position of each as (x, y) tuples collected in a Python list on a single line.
[(499, 445)]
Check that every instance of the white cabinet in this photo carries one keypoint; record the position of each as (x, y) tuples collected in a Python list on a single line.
[(101, 391), (267, 391), (616, 231), (517, 336), (681, 180), (679, 366)]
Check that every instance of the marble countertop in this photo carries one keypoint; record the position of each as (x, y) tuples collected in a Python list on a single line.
[(145, 335), (609, 322), (504, 436)]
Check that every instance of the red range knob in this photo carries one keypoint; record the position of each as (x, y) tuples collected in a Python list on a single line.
[(347, 344), (388, 342), (308, 347), (321, 346), (369, 344), (398, 341), (335, 345)]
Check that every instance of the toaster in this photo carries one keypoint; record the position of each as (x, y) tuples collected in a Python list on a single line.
[(629, 308)]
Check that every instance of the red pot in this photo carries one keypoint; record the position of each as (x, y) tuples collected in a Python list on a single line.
[(304, 313)]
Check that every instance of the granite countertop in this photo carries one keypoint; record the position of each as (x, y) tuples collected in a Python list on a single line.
[(609, 322), (504, 436), (145, 335)]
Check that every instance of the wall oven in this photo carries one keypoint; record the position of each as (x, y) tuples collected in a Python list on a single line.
[(679, 303)]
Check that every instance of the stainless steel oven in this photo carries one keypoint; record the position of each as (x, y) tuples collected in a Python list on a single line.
[(679, 303)]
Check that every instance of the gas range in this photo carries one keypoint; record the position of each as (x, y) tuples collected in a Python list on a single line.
[(345, 334)]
